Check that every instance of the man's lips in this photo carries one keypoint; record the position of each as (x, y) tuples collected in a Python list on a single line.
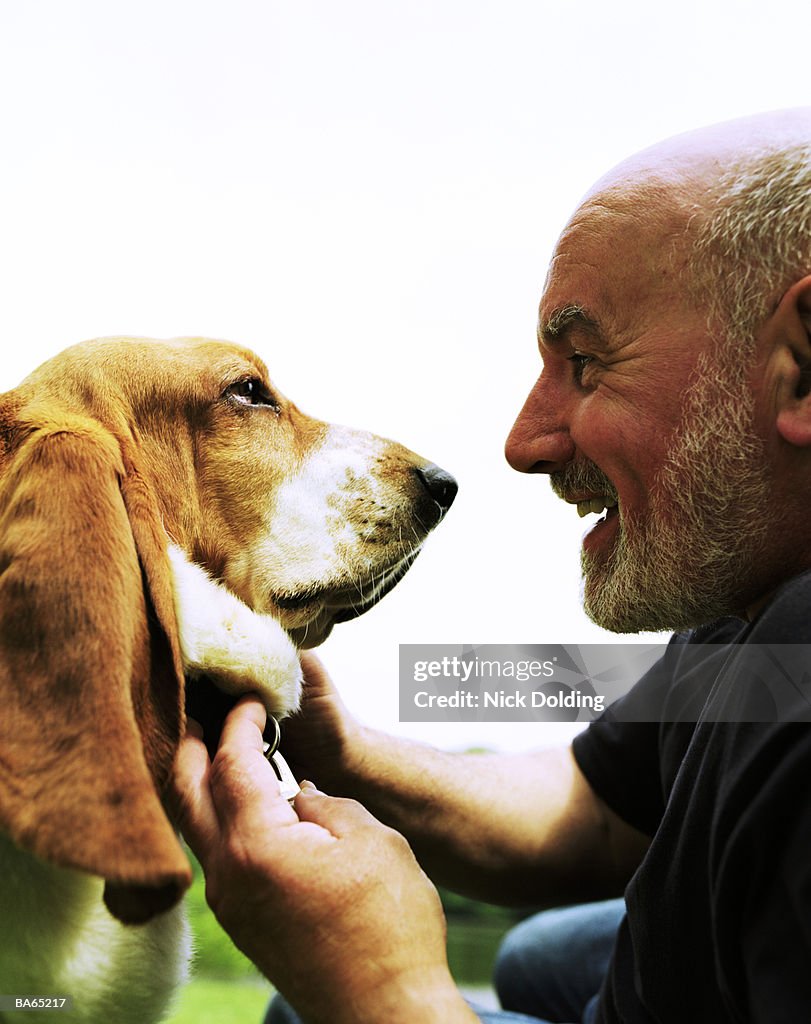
[(602, 532)]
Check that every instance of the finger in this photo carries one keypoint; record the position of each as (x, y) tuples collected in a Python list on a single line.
[(311, 664), (189, 798), (244, 787), (244, 725), (335, 814), (316, 678)]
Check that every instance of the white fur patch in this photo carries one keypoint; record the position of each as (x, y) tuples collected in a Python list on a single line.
[(310, 522), (309, 536), (61, 940), (220, 636)]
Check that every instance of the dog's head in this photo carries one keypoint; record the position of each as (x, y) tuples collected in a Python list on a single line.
[(107, 452)]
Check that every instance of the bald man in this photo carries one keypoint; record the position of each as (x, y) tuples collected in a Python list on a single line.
[(675, 396)]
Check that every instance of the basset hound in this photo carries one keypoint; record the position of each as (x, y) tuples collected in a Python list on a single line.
[(165, 514)]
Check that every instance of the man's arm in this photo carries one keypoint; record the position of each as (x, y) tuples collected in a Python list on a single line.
[(330, 904), (521, 829)]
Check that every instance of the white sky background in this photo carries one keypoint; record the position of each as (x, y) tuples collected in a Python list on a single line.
[(366, 193)]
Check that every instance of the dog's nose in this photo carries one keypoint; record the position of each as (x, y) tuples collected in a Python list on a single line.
[(440, 485)]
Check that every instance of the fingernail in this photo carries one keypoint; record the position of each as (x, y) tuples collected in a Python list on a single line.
[(308, 787)]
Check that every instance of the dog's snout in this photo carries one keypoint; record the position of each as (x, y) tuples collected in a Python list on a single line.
[(440, 485)]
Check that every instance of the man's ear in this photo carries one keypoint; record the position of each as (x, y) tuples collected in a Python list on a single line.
[(791, 324)]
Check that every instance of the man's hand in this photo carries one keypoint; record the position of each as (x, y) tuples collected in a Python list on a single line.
[(328, 903), (322, 739)]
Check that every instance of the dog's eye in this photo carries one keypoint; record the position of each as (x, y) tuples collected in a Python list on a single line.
[(251, 392)]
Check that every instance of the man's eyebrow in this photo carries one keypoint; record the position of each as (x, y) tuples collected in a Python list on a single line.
[(562, 320)]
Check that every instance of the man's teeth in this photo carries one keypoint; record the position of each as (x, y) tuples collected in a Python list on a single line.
[(595, 505)]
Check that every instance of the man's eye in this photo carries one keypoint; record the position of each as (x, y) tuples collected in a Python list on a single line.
[(579, 362), (251, 392)]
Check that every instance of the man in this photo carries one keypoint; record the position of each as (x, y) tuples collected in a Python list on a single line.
[(676, 395)]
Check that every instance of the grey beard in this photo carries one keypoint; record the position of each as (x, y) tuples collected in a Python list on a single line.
[(687, 561)]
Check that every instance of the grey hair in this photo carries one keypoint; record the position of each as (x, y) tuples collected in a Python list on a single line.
[(754, 242)]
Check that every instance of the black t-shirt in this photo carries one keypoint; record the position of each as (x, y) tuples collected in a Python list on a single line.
[(710, 755)]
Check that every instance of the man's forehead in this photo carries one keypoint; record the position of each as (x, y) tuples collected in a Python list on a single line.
[(625, 254), (620, 243), (643, 206), (628, 212)]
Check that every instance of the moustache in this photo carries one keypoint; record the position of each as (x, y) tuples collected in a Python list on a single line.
[(580, 478)]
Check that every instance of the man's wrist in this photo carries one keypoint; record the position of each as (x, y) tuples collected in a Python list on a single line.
[(355, 762), (441, 1004), (424, 996)]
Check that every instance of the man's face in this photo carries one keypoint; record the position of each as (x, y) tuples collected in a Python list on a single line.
[(637, 409)]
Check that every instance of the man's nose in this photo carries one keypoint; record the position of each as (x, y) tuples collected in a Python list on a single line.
[(539, 441)]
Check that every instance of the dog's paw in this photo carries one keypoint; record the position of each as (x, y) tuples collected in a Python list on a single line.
[(243, 651)]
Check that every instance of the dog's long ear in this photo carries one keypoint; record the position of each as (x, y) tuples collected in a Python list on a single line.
[(90, 676)]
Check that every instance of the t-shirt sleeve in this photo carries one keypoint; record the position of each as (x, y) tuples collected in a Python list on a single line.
[(619, 753), (631, 754)]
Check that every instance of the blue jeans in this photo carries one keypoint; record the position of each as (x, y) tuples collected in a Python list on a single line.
[(552, 965), (549, 969)]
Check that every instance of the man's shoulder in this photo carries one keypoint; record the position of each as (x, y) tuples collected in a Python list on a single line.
[(787, 617), (720, 631)]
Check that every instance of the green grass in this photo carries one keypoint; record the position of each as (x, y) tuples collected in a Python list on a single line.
[(214, 1001)]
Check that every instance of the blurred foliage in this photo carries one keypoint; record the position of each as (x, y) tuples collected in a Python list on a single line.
[(475, 931), (457, 906)]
